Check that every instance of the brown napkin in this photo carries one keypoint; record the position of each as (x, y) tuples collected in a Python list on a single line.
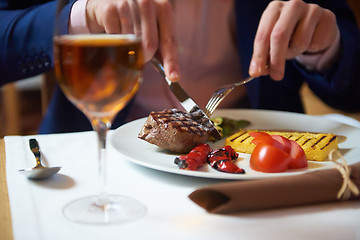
[(309, 188)]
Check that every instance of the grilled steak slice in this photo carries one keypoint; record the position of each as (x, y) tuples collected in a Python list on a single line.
[(175, 130)]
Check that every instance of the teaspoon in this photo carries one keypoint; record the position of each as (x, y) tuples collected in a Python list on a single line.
[(39, 171)]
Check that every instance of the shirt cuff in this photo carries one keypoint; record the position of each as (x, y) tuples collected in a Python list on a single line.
[(322, 61), (78, 18)]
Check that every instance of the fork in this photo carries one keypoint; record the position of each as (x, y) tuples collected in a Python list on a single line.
[(220, 94)]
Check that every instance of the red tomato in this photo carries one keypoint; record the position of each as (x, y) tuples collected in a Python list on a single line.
[(298, 156), (263, 137), (275, 153), (267, 158), (285, 143), (269, 139)]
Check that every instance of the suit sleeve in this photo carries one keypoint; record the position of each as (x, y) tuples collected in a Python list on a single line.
[(26, 47)]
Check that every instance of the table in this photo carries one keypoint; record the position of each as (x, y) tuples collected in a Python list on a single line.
[(5, 215), (170, 214)]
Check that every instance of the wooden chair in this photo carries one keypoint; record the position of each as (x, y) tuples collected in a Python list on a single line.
[(10, 121), (12, 108)]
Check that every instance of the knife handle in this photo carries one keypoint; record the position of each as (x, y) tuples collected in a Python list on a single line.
[(158, 65)]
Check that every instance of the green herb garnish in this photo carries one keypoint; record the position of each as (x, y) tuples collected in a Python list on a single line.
[(227, 126)]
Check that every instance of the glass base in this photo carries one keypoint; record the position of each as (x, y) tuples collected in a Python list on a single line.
[(93, 210)]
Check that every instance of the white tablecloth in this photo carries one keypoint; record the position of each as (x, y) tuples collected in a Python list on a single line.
[(36, 206)]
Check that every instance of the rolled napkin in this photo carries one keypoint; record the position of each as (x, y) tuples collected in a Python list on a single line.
[(309, 188)]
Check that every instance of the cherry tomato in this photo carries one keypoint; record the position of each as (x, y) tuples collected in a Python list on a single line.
[(264, 138), (298, 156), (275, 153), (285, 143), (267, 158)]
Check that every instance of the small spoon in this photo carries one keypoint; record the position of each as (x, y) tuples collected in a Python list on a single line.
[(39, 171)]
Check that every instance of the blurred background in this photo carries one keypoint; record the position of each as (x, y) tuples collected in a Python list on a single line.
[(23, 104)]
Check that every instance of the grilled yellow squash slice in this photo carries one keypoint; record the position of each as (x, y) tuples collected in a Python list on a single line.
[(317, 146)]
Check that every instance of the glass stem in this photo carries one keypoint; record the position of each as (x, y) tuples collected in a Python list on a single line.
[(101, 129)]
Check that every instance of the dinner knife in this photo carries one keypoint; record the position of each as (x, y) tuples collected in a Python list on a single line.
[(185, 100)]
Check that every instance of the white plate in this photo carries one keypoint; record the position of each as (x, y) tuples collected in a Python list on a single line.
[(125, 141)]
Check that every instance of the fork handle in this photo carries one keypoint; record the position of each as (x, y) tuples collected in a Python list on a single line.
[(242, 82)]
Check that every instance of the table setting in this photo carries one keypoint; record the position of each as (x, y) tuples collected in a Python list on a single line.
[(37, 205), (111, 184)]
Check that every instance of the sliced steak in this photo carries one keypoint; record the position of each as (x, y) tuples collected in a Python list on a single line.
[(175, 130)]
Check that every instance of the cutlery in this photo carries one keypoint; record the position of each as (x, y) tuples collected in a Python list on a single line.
[(185, 100), (220, 94), (39, 171)]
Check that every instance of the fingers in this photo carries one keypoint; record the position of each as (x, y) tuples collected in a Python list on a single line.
[(157, 27), (167, 38), (286, 30), (261, 52), (280, 37), (158, 32), (149, 29), (304, 32), (325, 33), (110, 20), (103, 16), (273, 37), (127, 21)]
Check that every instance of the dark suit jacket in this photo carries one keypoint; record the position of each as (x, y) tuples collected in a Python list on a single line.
[(26, 31)]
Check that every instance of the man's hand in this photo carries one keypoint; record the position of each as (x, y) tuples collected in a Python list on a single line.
[(157, 26), (289, 29)]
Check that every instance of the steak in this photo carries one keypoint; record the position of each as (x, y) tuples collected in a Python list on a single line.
[(175, 130)]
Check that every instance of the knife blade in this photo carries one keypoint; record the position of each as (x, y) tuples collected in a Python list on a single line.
[(185, 100)]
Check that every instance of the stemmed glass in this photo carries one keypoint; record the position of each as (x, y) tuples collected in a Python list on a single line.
[(100, 73)]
